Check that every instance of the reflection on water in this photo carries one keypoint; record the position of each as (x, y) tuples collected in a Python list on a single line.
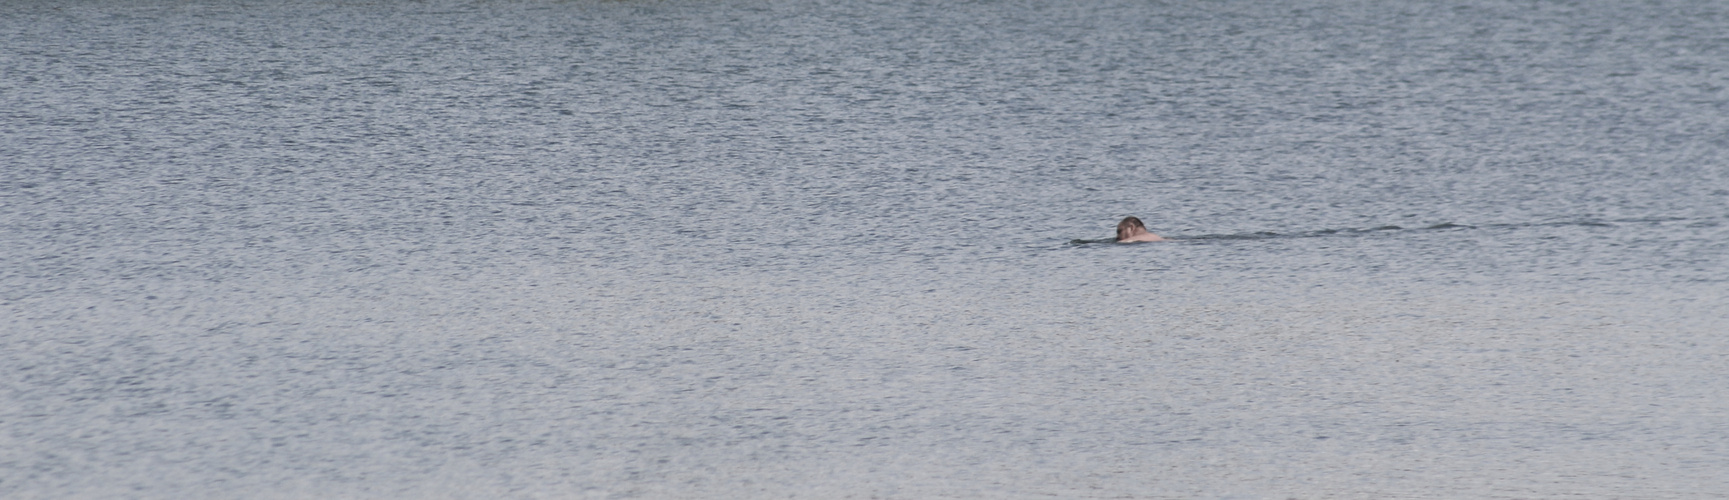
[(714, 249)]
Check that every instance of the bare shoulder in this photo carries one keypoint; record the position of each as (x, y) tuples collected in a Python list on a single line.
[(1132, 230)]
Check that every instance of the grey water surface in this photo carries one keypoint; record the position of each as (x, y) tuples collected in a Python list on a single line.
[(859, 249)]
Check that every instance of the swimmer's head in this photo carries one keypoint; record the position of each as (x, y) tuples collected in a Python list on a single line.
[(1129, 227)]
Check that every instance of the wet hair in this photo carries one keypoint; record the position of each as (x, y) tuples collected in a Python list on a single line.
[(1128, 228)]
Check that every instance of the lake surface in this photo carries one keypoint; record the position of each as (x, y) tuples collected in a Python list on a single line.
[(851, 249)]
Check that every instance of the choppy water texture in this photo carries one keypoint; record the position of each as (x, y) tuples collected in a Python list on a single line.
[(845, 249)]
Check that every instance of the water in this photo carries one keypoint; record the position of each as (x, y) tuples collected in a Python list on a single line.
[(678, 249)]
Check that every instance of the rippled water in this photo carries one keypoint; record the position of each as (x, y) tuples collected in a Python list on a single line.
[(681, 249)]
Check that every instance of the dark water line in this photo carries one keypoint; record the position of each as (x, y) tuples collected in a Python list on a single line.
[(1445, 226)]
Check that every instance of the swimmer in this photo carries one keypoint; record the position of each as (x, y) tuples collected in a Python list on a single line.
[(1131, 230)]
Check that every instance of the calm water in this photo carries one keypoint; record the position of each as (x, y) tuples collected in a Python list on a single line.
[(846, 249)]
